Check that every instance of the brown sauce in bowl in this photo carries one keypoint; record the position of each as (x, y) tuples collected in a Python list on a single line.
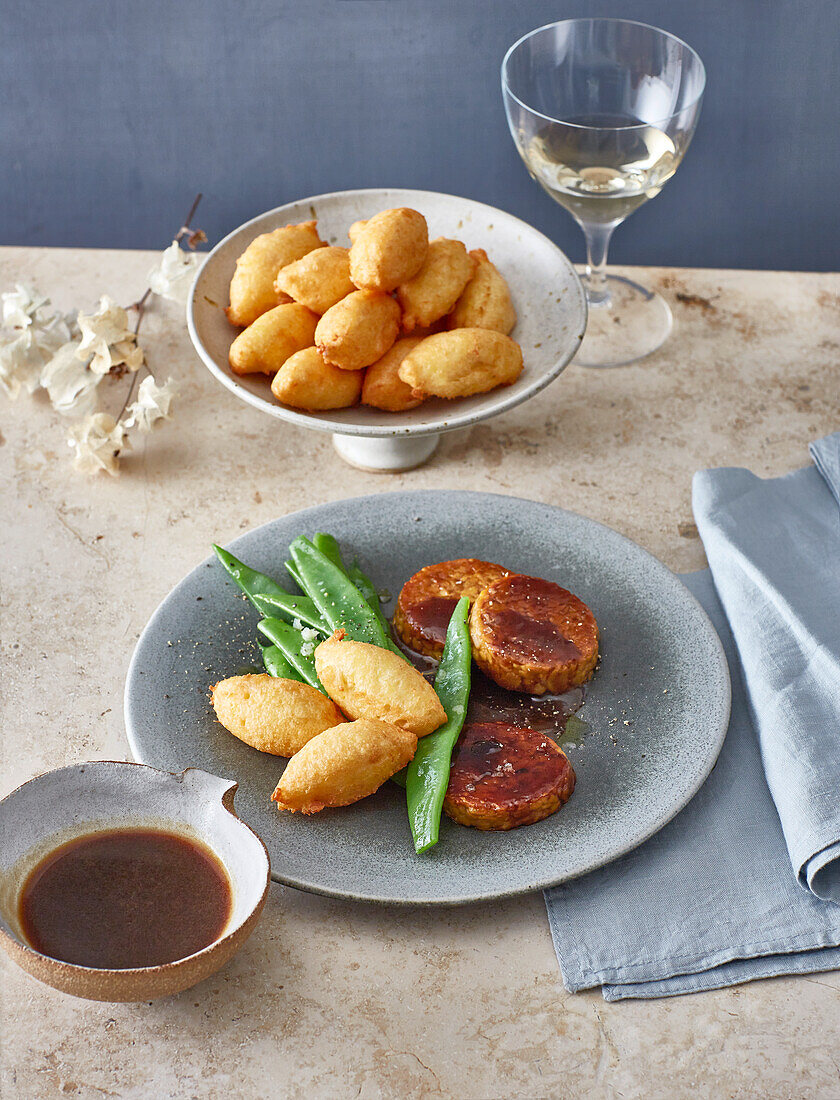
[(125, 898)]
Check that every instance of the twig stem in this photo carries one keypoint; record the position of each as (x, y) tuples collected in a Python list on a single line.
[(140, 305)]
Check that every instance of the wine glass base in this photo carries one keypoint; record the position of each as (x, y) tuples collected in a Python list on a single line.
[(630, 324)]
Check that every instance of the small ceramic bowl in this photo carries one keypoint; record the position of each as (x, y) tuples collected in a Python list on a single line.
[(549, 300), (62, 805)]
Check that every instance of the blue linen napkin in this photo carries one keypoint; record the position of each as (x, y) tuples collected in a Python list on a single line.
[(712, 900)]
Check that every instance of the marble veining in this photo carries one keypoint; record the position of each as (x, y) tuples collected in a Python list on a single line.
[(340, 1000)]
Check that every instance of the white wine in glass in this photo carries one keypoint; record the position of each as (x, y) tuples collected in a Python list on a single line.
[(602, 112)]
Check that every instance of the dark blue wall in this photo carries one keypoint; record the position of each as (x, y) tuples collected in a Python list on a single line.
[(112, 115)]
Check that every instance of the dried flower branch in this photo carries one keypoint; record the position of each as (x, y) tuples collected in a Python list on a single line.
[(68, 357)]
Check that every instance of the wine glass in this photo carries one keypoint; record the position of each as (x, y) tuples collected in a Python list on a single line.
[(602, 112)]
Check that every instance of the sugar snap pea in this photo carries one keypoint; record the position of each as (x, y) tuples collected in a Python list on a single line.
[(252, 583), (291, 569), (269, 597), (292, 607), (427, 776), (365, 585), (277, 665), (289, 642), (330, 548), (338, 600), (328, 545)]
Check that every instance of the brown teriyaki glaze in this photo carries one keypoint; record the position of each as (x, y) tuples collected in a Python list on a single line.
[(546, 713), (504, 776), (491, 703), (125, 898), (431, 617), (528, 639), (535, 621)]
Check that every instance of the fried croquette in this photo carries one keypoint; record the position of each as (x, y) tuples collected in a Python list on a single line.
[(273, 715), (265, 345), (505, 776), (252, 290), (462, 362), (437, 286), (358, 330), (318, 280), (422, 331), (355, 229), (428, 598), (486, 301), (388, 249), (531, 635), (367, 681), (383, 388), (306, 381), (343, 765)]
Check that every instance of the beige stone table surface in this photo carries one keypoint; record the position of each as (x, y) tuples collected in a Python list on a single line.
[(340, 1000)]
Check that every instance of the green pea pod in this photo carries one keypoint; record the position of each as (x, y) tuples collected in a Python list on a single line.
[(427, 776), (291, 607), (291, 569), (365, 585), (277, 665), (334, 594), (252, 583), (328, 545), (289, 642)]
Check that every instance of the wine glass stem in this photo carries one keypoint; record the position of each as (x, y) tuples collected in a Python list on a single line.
[(597, 243)]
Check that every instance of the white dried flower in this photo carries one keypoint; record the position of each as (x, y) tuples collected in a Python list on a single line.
[(53, 332), (173, 275), (33, 339), (152, 404), (20, 365), (97, 440), (69, 383), (107, 337), (20, 306)]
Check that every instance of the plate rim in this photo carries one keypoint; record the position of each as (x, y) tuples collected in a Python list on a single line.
[(447, 423), (715, 743)]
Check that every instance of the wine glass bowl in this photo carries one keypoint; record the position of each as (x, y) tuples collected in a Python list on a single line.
[(602, 112)]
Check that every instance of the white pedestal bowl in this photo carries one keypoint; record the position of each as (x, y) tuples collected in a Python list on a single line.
[(547, 293)]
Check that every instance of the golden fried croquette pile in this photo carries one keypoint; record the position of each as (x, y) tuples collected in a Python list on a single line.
[(252, 290), (310, 311), (343, 745)]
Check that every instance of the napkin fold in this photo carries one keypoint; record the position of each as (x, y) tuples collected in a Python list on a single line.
[(711, 900), (774, 551)]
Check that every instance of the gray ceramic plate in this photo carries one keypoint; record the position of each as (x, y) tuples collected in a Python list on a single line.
[(658, 705)]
